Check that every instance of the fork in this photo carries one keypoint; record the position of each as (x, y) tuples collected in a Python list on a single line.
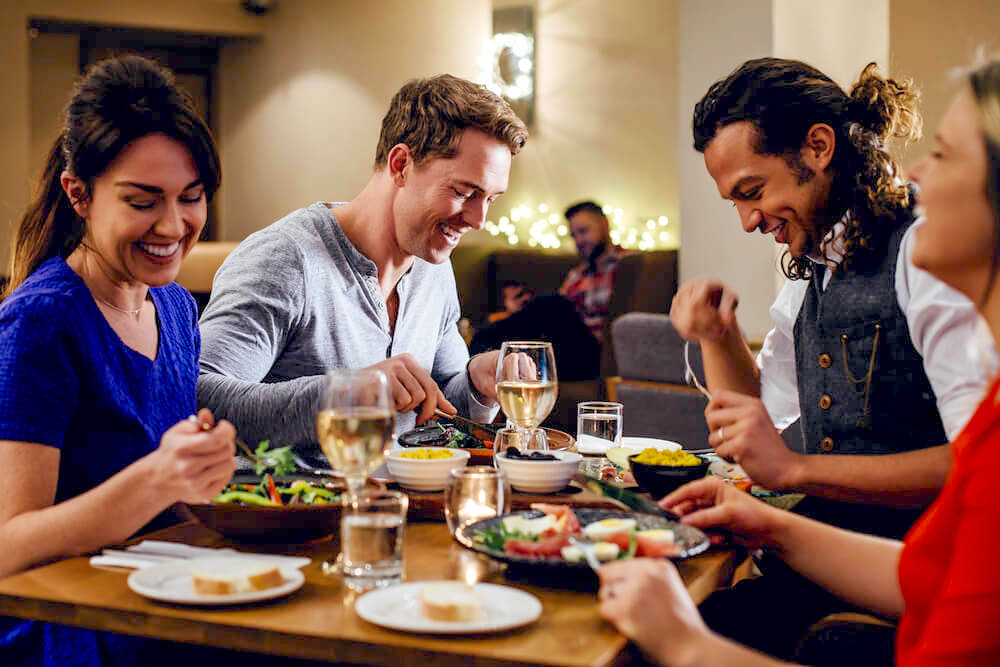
[(587, 548), (689, 375)]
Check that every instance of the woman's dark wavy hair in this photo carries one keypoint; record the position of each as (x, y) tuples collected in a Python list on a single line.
[(985, 83), (783, 99), (116, 102)]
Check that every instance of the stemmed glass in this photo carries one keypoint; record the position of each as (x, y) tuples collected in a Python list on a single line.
[(527, 385), (355, 424)]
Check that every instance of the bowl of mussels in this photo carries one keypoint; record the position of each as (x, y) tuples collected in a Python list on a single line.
[(536, 471), (477, 440)]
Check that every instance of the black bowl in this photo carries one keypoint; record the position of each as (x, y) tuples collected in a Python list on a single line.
[(661, 480)]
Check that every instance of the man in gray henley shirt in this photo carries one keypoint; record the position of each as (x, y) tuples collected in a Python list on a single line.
[(366, 283)]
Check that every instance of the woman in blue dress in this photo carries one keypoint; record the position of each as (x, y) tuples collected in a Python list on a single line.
[(99, 347)]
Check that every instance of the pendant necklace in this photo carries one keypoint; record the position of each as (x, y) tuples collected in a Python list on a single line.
[(127, 311)]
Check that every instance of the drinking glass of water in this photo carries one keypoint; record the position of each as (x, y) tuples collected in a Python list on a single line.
[(599, 425), (371, 539)]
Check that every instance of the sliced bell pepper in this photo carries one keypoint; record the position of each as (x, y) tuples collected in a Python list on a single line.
[(243, 497), (272, 491)]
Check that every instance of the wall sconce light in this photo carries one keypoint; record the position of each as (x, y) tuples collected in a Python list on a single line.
[(507, 65)]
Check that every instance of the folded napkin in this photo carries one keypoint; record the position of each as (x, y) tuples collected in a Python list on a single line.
[(154, 552)]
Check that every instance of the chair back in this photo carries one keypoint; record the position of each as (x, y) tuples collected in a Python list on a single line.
[(198, 269), (650, 383)]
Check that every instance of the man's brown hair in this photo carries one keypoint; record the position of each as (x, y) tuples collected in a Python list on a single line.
[(429, 115)]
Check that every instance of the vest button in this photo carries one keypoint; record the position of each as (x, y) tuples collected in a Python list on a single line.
[(826, 444), (825, 361), (824, 402)]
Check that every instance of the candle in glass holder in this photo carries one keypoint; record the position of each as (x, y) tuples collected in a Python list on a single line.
[(475, 493)]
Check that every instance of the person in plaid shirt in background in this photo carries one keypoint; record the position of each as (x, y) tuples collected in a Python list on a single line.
[(589, 285), (573, 319)]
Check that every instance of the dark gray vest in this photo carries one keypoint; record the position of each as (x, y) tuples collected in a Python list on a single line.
[(882, 401)]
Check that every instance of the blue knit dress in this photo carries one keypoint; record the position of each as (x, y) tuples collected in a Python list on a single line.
[(68, 381)]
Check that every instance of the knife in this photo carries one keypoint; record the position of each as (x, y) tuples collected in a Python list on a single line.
[(625, 498), (481, 432)]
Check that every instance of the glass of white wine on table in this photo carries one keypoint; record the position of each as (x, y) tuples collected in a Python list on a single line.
[(355, 429), (527, 386)]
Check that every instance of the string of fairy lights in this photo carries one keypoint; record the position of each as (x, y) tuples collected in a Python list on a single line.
[(506, 67), (540, 227)]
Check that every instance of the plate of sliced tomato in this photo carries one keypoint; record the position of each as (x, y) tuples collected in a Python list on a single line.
[(509, 537)]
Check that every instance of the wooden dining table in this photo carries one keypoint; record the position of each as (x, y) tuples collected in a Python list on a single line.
[(319, 622)]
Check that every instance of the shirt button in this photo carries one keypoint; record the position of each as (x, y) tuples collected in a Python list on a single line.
[(826, 444), (824, 402), (825, 361)]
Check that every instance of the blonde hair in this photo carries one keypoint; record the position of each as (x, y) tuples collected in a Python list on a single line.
[(985, 83)]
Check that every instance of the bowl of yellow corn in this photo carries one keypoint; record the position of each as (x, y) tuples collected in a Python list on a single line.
[(661, 471), (425, 468)]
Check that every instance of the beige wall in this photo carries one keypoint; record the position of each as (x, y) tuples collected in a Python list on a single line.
[(604, 110), (20, 134), (300, 109), (714, 38), (54, 63), (929, 38), (15, 137), (839, 37)]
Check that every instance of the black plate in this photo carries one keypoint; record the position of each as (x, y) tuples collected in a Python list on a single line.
[(430, 435), (691, 540)]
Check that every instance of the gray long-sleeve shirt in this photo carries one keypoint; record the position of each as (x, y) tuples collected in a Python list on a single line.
[(297, 299)]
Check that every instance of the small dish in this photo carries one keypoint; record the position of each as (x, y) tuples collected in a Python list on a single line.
[(540, 476), (659, 480), (432, 436), (640, 443), (398, 608), (171, 582), (425, 474)]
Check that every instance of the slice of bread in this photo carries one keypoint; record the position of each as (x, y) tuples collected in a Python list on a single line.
[(450, 601), (225, 576)]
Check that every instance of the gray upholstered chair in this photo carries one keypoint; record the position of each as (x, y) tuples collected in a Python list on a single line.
[(650, 383)]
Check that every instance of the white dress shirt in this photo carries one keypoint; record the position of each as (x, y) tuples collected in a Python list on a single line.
[(943, 327)]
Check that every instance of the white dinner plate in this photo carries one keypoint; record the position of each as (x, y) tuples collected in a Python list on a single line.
[(398, 608), (590, 444), (645, 443), (171, 582)]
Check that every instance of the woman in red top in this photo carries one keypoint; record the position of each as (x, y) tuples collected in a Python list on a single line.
[(942, 581)]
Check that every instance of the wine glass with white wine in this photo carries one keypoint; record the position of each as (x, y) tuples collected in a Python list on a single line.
[(527, 385), (355, 424)]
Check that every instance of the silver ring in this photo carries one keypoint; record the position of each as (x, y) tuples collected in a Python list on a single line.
[(722, 435)]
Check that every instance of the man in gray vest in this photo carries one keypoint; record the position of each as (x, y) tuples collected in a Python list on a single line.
[(868, 351), (366, 283)]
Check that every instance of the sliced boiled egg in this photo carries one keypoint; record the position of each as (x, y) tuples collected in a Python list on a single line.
[(664, 534), (519, 524), (599, 531), (572, 553), (606, 551)]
